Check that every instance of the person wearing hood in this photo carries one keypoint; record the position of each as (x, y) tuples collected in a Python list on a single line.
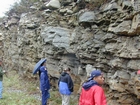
[(92, 93), (65, 85), (44, 83)]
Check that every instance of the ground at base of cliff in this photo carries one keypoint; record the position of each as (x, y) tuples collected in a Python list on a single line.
[(17, 91)]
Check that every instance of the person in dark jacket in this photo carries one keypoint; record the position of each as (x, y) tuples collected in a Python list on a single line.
[(92, 92), (65, 84), (44, 83)]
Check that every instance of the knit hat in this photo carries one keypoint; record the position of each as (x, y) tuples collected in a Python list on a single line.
[(95, 73)]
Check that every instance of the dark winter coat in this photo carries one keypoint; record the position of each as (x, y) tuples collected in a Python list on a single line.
[(1, 74), (65, 84), (44, 80)]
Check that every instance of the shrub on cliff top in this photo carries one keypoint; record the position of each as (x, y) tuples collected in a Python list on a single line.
[(21, 7)]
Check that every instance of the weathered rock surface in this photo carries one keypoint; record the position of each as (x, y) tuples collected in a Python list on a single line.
[(53, 4), (106, 38)]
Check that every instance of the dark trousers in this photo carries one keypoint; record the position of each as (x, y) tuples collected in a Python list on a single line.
[(45, 96)]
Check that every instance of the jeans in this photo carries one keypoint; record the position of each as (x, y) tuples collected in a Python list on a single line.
[(1, 89)]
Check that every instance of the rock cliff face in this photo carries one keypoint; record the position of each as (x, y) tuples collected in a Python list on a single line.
[(78, 35)]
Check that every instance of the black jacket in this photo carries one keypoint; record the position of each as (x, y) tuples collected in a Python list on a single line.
[(65, 77)]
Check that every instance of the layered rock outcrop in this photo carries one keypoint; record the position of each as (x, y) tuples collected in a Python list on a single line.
[(82, 38)]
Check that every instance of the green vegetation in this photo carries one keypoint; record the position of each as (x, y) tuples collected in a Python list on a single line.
[(18, 92), (22, 91), (56, 99), (21, 7)]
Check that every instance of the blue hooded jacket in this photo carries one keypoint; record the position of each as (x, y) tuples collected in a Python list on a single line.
[(87, 85), (65, 84), (44, 80)]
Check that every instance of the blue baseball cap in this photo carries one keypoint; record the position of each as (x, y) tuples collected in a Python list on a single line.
[(95, 73)]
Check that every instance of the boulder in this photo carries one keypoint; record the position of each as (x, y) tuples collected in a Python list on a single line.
[(87, 17), (53, 4)]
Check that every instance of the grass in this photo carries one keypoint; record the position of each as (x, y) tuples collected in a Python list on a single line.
[(16, 91), (19, 91), (56, 99)]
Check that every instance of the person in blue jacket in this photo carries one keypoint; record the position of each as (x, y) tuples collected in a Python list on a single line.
[(44, 83), (65, 85), (1, 78)]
